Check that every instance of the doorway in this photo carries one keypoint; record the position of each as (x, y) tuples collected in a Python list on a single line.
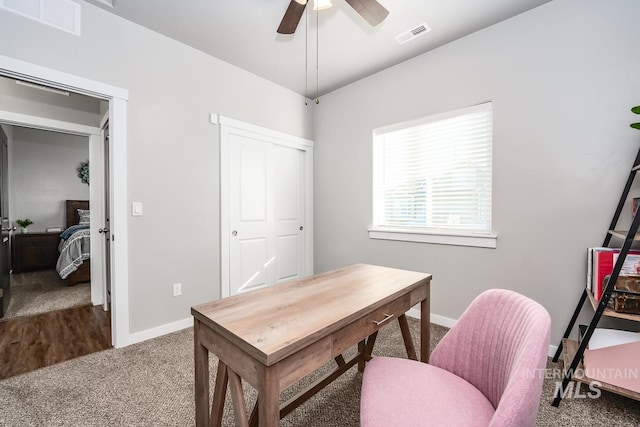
[(117, 99), (43, 184)]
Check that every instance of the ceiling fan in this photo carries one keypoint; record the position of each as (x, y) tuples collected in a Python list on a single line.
[(372, 11)]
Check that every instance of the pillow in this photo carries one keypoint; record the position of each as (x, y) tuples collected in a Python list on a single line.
[(84, 216)]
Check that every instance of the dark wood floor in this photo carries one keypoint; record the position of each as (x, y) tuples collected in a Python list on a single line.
[(32, 342)]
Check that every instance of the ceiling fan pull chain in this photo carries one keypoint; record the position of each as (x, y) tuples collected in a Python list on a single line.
[(306, 57), (317, 56)]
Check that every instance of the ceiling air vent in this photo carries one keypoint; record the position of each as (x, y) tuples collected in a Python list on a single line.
[(413, 33), (61, 14)]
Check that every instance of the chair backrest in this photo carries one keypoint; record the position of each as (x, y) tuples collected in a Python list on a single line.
[(500, 345)]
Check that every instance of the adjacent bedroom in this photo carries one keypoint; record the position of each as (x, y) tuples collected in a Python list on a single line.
[(49, 205)]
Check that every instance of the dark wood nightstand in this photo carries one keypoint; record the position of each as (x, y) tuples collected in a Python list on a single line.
[(35, 251)]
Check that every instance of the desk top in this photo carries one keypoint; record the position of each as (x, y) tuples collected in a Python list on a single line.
[(273, 322)]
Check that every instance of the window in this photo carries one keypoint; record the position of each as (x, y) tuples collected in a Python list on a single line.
[(432, 179)]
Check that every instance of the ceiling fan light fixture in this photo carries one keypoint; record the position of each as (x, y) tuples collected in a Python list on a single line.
[(321, 4)]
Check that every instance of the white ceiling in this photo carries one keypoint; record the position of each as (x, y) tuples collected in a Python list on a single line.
[(243, 33)]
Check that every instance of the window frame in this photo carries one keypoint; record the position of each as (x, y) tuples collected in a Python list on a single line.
[(424, 234)]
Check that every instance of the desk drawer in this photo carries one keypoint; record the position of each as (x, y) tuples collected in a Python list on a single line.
[(368, 324)]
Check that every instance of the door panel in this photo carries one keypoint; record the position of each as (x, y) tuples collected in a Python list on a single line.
[(253, 273), (249, 216), (5, 256), (252, 159), (289, 211), (287, 248), (106, 287), (96, 201), (266, 212)]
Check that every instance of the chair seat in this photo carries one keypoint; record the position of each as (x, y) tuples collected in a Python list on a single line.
[(401, 392)]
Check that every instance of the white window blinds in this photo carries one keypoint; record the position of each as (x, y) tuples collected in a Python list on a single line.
[(434, 174)]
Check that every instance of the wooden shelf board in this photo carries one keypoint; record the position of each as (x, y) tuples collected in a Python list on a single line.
[(622, 234), (610, 313), (570, 347)]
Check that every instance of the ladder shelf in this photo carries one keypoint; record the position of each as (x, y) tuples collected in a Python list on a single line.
[(573, 351)]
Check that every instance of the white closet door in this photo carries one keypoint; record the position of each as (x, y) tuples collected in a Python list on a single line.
[(266, 212), (288, 212)]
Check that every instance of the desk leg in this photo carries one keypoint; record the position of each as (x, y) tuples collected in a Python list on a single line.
[(425, 329), (361, 362), (406, 337), (253, 419), (365, 348), (219, 395), (201, 355), (237, 396), (269, 398), (368, 348)]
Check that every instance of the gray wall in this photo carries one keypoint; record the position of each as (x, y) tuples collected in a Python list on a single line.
[(562, 79), (173, 153), (43, 175)]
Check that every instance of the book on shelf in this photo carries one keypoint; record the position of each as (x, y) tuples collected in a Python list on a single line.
[(600, 263)]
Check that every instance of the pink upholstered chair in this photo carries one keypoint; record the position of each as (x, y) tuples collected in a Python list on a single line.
[(486, 371)]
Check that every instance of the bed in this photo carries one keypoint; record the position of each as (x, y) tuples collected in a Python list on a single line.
[(73, 263)]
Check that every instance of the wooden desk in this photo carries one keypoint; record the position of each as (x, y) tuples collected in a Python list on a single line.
[(275, 336)]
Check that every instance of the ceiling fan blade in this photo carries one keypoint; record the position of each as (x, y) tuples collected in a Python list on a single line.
[(372, 11), (291, 18)]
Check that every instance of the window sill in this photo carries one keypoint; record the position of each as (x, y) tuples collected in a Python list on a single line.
[(473, 240)]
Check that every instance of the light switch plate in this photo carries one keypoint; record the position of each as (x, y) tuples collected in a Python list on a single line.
[(136, 209)]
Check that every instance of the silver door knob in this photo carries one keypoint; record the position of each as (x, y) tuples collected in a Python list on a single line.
[(103, 230), (234, 233), (301, 228)]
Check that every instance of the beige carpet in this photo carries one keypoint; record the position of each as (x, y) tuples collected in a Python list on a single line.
[(42, 291), (151, 384)]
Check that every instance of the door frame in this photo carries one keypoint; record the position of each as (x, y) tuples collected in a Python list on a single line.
[(117, 97), (228, 126)]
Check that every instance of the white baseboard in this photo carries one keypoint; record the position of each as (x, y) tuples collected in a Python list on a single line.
[(448, 323), (434, 318), (96, 297), (160, 330)]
